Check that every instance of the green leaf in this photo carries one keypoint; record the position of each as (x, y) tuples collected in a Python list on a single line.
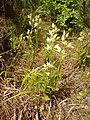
[(46, 98), (20, 93), (24, 80), (41, 108)]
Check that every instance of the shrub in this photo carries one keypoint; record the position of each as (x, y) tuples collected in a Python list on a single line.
[(64, 12), (83, 49)]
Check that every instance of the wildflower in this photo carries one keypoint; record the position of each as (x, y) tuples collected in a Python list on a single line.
[(23, 38), (82, 33), (39, 27), (48, 47), (32, 20), (28, 31), (88, 33), (36, 24), (53, 25), (47, 73), (27, 36), (63, 36), (48, 65), (67, 35), (56, 29), (55, 35), (30, 23), (50, 32), (35, 30), (30, 16), (58, 38), (63, 52), (70, 45), (88, 73), (48, 39), (40, 20), (57, 48), (64, 42), (81, 38), (37, 17)]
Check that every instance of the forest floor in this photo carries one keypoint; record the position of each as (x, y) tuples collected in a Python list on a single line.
[(71, 102)]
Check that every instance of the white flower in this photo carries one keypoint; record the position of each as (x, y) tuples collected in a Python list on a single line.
[(67, 35), (23, 38), (28, 31), (88, 73), (56, 29), (70, 45), (58, 38), (37, 17), (50, 32), (30, 23), (30, 16), (36, 24), (63, 52), (48, 39), (32, 20), (47, 73), (63, 36), (40, 20), (88, 33), (55, 35), (53, 25), (64, 42), (48, 47), (81, 38), (82, 33), (27, 36), (48, 65), (57, 48), (35, 30)]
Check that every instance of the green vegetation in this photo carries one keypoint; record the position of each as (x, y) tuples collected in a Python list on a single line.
[(45, 60)]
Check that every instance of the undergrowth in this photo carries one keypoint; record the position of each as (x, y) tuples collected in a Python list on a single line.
[(41, 82)]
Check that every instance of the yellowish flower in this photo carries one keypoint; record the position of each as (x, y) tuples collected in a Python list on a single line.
[(50, 32), (55, 35), (63, 52), (70, 45), (30, 16), (63, 36), (48, 39), (28, 31), (36, 24), (30, 23), (48, 65), (57, 48), (48, 47), (53, 25), (64, 42), (67, 35), (47, 73)]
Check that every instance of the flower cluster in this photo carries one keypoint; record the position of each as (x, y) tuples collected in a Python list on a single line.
[(82, 36), (35, 28), (64, 42), (52, 38), (34, 21)]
